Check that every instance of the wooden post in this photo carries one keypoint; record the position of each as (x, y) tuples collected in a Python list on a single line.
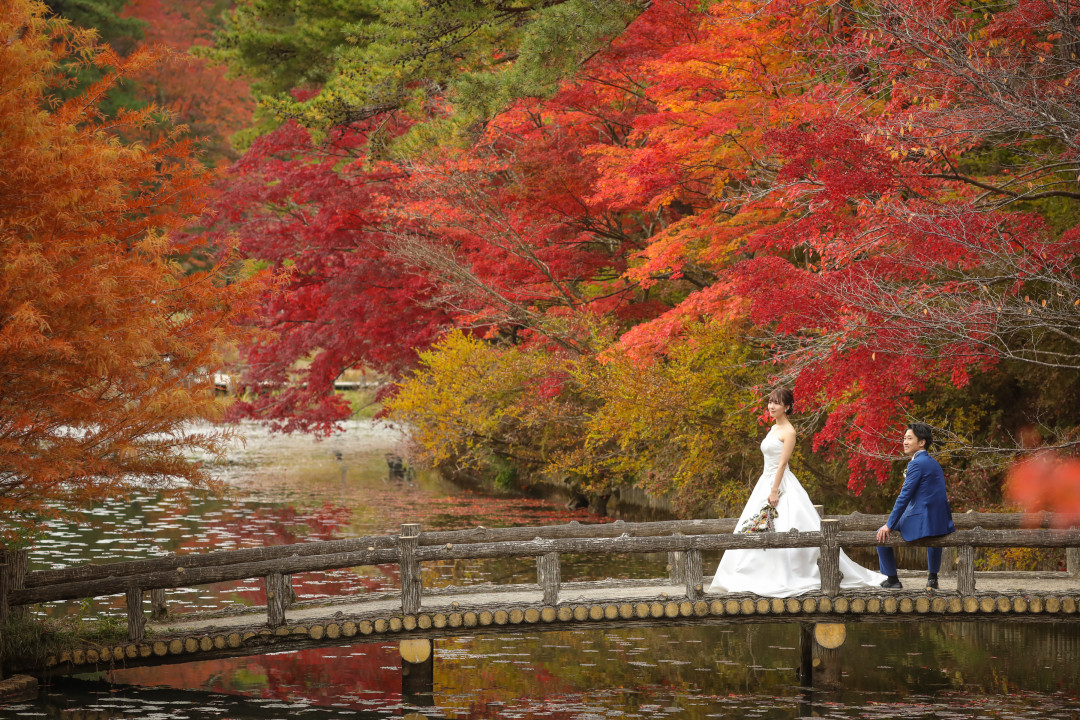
[(820, 510), (3, 609), (158, 609), (14, 578), (549, 573), (1072, 561), (965, 570), (948, 561), (136, 617), (290, 591), (829, 560), (3, 590), (806, 654), (411, 586), (277, 598), (676, 566), (828, 637), (417, 672), (692, 574), (829, 670)]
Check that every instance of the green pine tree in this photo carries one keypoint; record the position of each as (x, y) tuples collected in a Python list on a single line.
[(367, 58)]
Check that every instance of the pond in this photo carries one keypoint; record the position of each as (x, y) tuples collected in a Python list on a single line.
[(293, 488)]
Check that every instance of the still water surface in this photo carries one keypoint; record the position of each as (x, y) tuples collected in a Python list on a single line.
[(293, 489)]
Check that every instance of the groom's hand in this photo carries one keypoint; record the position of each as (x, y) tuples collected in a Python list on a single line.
[(883, 534)]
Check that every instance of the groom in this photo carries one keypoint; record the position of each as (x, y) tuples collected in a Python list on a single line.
[(921, 510)]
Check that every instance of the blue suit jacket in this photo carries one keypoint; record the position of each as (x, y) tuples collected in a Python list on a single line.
[(922, 509)]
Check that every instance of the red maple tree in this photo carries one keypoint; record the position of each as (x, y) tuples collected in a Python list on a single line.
[(884, 194), (317, 212)]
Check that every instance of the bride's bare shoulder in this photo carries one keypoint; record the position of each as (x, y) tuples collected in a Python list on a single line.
[(785, 432)]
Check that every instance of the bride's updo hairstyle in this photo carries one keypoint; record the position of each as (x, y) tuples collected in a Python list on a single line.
[(785, 397)]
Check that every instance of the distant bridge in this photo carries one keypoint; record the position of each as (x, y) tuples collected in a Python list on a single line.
[(417, 613)]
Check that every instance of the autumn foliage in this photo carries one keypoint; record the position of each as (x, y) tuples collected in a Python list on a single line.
[(191, 85), (875, 204), (317, 214), (106, 346)]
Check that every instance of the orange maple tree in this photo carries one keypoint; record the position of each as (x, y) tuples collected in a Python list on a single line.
[(106, 346)]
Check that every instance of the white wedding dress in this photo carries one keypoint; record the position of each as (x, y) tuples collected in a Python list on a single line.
[(782, 572)]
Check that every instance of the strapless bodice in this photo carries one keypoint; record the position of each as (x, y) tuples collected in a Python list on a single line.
[(772, 447)]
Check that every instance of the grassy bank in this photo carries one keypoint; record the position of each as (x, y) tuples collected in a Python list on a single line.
[(27, 640)]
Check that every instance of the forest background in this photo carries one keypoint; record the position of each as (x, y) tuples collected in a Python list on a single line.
[(584, 238)]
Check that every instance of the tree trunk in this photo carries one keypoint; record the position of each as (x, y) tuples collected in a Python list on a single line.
[(14, 578), (4, 611)]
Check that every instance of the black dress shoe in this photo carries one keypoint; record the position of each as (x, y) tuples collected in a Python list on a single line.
[(891, 584), (931, 582)]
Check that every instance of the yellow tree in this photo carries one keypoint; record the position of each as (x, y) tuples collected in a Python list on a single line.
[(683, 429)]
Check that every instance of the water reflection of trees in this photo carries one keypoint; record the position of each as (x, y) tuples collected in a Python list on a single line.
[(700, 669), (720, 661), (72, 699), (573, 567), (149, 524), (357, 676)]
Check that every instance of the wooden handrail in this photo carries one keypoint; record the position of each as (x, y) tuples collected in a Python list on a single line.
[(214, 558), (682, 540), (217, 558), (182, 577), (96, 571)]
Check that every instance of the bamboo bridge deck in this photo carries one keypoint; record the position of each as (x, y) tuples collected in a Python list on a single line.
[(414, 612)]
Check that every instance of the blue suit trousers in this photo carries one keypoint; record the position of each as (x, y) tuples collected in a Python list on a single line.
[(887, 560)]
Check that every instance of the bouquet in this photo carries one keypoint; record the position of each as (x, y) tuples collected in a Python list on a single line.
[(764, 520)]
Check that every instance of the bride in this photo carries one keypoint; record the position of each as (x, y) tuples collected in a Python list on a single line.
[(782, 572)]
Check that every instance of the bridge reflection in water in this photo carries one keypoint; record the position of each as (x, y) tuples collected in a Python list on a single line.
[(417, 672), (822, 670), (973, 669)]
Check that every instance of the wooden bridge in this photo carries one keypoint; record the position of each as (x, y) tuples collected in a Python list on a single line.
[(415, 612)]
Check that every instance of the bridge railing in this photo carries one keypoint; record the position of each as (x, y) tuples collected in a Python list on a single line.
[(683, 540)]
